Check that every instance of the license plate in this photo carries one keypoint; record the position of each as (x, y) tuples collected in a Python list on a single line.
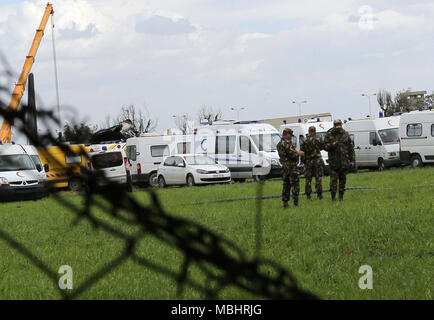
[(218, 176)]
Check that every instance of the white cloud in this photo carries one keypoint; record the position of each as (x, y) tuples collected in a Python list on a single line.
[(221, 53)]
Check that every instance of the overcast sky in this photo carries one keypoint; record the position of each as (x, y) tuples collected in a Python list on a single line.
[(173, 56)]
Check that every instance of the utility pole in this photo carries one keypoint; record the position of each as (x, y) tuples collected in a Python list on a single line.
[(369, 100), (299, 105), (238, 111)]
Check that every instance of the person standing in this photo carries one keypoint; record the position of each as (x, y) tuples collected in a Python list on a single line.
[(289, 158), (314, 165), (340, 148)]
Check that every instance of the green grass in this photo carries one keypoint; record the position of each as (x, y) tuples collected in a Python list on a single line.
[(322, 243)]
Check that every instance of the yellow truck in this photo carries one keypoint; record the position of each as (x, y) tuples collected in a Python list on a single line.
[(64, 168)]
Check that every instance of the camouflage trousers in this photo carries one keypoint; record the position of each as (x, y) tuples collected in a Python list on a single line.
[(310, 172), (335, 175), (291, 182)]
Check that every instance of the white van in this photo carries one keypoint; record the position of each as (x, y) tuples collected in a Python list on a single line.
[(375, 140), (416, 136), (111, 161), (301, 131), (247, 148), (146, 153), (19, 176)]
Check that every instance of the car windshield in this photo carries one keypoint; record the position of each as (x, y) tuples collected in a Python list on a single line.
[(107, 160), (199, 160), (389, 136), (36, 160), (16, 162), (266, 142)]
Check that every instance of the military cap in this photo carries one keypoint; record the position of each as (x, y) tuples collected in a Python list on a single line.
[(337, 123), (287, 131), (312, 128)]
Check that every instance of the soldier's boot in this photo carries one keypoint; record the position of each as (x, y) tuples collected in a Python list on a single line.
[(285, 205), (319, 195), (308, 196), (296, 203), (341, 195), (333, 196)]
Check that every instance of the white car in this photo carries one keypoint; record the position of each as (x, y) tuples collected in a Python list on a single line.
[(191, 169)]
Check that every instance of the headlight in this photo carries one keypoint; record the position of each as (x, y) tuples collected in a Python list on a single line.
[(3, 180), (227, 170), (201, 171), (275, 162)]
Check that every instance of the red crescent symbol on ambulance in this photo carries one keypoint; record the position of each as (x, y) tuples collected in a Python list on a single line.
[(18, 174), (321, 126)]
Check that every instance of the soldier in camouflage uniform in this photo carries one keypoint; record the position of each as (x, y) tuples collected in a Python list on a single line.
[(289, 158), (314, 165), (340, 148)]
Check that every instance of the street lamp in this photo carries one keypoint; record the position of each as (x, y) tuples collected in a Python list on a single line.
[(299, 105), (369, 99), (238, 111)]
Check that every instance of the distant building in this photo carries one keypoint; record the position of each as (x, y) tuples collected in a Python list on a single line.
[(413, 96), (277, 122)]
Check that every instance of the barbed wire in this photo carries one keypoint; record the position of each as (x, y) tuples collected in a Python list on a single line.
[(222, 262)]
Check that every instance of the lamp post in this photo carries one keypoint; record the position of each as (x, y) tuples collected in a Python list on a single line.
[(238, 111), (299, 105), (369, 100)]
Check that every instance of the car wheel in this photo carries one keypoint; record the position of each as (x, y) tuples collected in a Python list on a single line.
[(161, 182), (190, 180), (416, 161), (75, 184), (153, 180), (381, 165)]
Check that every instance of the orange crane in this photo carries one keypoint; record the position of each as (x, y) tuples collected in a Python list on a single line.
[(5, 131)]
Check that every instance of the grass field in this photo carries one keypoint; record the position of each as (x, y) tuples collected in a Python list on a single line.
[(322, 243)]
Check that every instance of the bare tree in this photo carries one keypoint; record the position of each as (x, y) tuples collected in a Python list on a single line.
[(209, 114), (142, 121), (181, 122), (384, 99)]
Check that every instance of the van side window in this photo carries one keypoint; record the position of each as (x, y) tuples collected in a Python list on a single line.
[(159, 151), (132, 153), (71, 158), (432, 130), (224, 144), (414, 129), (246, 145), (301, 138), (170, 161), (183, 147), (372, 137)]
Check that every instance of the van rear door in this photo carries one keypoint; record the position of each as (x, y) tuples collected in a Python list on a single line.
[(111, 163)]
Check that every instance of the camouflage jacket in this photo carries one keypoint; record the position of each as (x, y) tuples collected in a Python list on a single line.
[(341, 154), (287, 153), (312, 146)]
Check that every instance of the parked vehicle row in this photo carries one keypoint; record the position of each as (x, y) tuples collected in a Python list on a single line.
[(217, 153)]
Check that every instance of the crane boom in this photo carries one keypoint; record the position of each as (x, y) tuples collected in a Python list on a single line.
[(17, 94)]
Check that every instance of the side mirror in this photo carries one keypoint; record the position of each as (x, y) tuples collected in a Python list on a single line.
[(38, 167), (46, 167), (181, 165), (379, 143), (374, 142), (137, 153)]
